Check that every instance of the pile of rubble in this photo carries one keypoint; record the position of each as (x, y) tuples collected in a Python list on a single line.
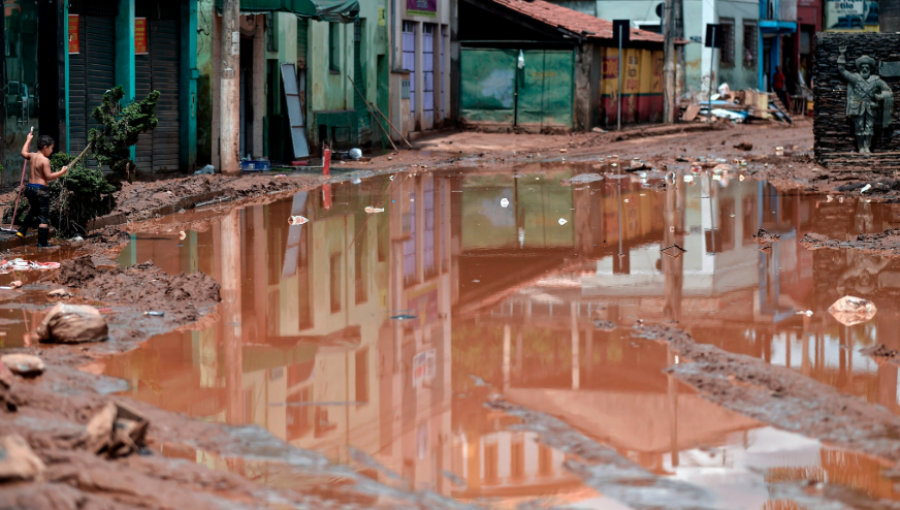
[(735, 106)]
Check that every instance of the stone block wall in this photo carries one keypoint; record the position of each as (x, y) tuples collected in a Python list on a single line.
[(835, 143)]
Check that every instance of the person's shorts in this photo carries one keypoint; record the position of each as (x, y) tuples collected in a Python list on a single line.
[(39, 201)]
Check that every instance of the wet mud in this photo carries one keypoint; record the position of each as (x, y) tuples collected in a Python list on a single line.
[(884, 244)]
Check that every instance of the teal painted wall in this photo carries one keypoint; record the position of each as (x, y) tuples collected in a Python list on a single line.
[(125, 62), (329, 90), (187, 160)]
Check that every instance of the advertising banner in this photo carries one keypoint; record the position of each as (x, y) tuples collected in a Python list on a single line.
[(851, 16), (421, 8)]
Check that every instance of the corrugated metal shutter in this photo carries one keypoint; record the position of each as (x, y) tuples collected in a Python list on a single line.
[(91, 74), (159, 151)]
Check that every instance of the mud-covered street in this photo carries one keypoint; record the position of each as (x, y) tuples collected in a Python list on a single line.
[(599, 321)]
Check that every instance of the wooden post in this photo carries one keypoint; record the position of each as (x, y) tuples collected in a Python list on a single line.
[(669, 63)]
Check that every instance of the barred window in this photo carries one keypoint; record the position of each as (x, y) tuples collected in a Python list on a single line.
[(726, 54), (750, 44)]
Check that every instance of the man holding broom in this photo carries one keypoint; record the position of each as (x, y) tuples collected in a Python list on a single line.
[(36, 191)]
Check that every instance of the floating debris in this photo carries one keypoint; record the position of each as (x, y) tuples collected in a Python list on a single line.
[(851, 310), (673, 251)]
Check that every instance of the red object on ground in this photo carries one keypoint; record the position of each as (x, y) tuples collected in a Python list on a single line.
[(299, 163), (326, 161)]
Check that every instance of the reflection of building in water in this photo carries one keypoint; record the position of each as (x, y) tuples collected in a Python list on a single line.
[(305, 346)]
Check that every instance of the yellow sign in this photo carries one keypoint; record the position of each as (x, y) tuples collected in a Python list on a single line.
[(381, 21)]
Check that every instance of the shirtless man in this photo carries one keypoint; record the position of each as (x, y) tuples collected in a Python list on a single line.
[(36, 190)]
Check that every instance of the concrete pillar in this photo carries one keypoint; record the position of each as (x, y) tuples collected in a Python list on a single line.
[(230, 86), (259, 84), (231, 308), (216, 110)]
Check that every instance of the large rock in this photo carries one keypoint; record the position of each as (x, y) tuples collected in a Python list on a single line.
[(72, 324), (17, 460)]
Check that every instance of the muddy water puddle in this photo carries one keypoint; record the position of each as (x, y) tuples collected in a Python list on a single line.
[(375, 339)]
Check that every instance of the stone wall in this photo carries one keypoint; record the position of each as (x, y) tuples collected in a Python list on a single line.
[(835, 143)]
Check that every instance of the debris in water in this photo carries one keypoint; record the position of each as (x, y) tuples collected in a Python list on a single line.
[(763, 236), (155, 314), (17, 460), (851, 310), (72, 324), (582, 179), (24, 365), (674, 251), (562, 221), (504, 203), (879, 351), (478, 380), (865, 188), (766, 248), (297, 220), (372, 210), (404, 317), (603, 325), (59, 293)]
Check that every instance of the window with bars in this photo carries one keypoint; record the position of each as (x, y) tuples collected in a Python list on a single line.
[(750, 44), (334, 47), (726, 54)]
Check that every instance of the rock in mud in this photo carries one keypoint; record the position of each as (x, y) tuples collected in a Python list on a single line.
[(116, 431), (744, 146), (72, 324), (59, 293), (17, 460), (851, 310), (24, 365)]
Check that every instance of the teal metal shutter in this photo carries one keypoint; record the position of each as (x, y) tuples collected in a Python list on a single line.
[(91, 74), (359, 79), (159, 150)]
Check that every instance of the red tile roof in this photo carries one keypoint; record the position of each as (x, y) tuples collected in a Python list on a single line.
[(573, 21)]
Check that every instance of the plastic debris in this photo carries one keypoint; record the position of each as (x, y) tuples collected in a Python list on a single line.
[(24, 365), (207, 170), (297, 220), (72, 324), (7, 266), (865, 188), (155, 314), (779, 151), (851, 310), (562, 221), (355, 153), (59, 293), (673, 251), (504, 203), (17, 460), (404, 317), (373, 210)]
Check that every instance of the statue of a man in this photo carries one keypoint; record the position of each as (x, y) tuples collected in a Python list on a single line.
[(864, 95)]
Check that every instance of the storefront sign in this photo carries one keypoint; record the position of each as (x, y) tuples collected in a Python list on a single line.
[(421, 8), (74, 42), (851, 16), (140, 36)]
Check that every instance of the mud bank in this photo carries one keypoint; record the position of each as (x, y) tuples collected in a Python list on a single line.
[(780, 396), (884, 244)]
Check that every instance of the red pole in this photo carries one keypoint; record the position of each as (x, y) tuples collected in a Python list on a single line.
[(326, 196), (326, 161)]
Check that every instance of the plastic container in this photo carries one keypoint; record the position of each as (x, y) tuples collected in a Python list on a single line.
[(255, 165)]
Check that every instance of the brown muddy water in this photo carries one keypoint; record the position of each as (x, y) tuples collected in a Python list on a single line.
[(375, 339)]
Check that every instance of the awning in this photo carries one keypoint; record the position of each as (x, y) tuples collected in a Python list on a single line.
[(335, 11), (777, 27)]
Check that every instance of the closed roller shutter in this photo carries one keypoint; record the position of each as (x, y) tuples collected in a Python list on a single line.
[(159, 150), (91, 74)]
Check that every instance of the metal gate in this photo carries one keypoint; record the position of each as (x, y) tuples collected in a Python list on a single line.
[(409, 64), (496, 93), (159, 70), (91, 74), (360, 82)]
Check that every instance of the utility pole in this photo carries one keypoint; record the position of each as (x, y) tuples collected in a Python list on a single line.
[(230, 129), (669, 63)]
